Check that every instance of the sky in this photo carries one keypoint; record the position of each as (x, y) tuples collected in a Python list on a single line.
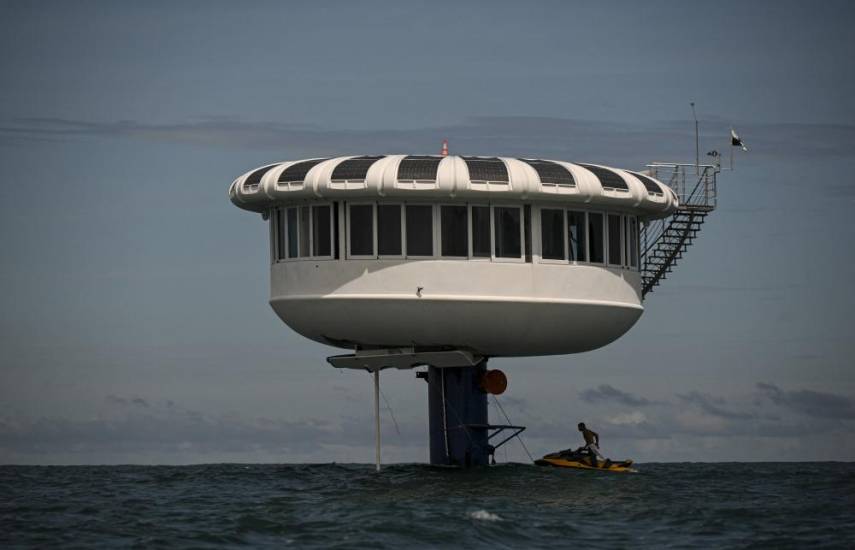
[(134, 324)]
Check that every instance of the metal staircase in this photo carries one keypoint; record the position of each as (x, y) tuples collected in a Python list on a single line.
[(663, 242)]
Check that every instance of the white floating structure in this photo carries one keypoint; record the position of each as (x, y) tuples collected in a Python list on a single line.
[(446, 261), (496, 256)]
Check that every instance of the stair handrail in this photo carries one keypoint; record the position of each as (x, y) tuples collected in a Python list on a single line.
[(696, 203), (706, 174)]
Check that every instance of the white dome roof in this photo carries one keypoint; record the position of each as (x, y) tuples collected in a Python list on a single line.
[(451, 178)]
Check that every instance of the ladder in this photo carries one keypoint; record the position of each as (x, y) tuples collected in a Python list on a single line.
[(663, 242)]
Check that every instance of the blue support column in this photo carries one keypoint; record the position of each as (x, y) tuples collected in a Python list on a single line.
[(458, 416)]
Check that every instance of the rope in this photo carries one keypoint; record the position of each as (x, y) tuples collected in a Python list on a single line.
[(392, 414), (445, 408), (496, 400)]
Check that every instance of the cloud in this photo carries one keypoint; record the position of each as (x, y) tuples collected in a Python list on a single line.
[(132, 428), (712, 406), (135, 425), (810, 403), (596, 141), (126, 401), (634, 418), (607, 393)]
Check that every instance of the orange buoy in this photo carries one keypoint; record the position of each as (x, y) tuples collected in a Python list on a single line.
[(494, 381)]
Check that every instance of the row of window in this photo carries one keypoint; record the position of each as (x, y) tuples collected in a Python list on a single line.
[(465, 231), (577, 236), (304, 232)]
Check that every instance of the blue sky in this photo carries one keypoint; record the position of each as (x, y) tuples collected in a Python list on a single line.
[(135, 328)]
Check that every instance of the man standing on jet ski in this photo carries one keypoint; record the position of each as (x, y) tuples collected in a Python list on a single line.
[(592, 443)]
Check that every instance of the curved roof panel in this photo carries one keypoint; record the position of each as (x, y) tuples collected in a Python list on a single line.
[(418, 168), (486, 169), (296, 173), (452, 179), (354, 169), (255, 177), (609, 179), (551, 172)]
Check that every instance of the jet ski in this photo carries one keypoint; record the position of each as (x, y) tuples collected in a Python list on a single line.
[(583, 459)]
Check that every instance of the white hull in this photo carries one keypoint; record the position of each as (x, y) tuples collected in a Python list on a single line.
[(490, 308)]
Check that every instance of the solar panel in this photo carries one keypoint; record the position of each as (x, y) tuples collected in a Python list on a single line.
[(551, 172), (418, 168), (608, 178), (354, 169), (255, 178), (297, 172), (486, 169), (649, 184)]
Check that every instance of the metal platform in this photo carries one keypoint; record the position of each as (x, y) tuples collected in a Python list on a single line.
[(403, 358)]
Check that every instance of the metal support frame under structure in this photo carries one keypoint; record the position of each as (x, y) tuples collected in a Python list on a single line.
[(460, 432)]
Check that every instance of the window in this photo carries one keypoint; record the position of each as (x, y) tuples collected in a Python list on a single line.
[(508, 231), (552, 234), (615, 230), (304, 231), (595, 236), (481, 245), (651, 186), (354, 169), (321, 231), (608, 178), (551, 172), (418, 168), (335, 232), (296, 173), (281, 234), (419, 230), (453, 225), (633, 241), (527, 232), (253, 180), (361, 229), (576, 236), (293, 248), (389, 230), (484, 169)]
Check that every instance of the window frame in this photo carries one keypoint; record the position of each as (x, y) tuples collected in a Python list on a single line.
[(625, 227), (588, 236), (402, 231), (471, 233), (433, 234), (281, 216), (286, 218), (621, 232), (274, 237), (564, 228), (373, 255), (521, 208), (329, 206), (586, 244), (632, 240), (468, 231), (280, 230)]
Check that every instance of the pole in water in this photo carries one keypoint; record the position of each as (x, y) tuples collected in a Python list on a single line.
[(377, 416)]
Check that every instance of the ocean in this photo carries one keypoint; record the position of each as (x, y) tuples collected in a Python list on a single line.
[(729, 505)]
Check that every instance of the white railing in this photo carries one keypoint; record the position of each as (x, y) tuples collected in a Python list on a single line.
[(695, 186)]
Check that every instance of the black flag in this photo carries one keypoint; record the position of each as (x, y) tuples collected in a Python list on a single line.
[(736, 141)]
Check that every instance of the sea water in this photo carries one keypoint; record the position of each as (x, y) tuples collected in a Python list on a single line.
[(733, 505)]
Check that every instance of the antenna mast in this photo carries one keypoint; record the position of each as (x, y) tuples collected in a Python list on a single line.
[(697, 141)]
